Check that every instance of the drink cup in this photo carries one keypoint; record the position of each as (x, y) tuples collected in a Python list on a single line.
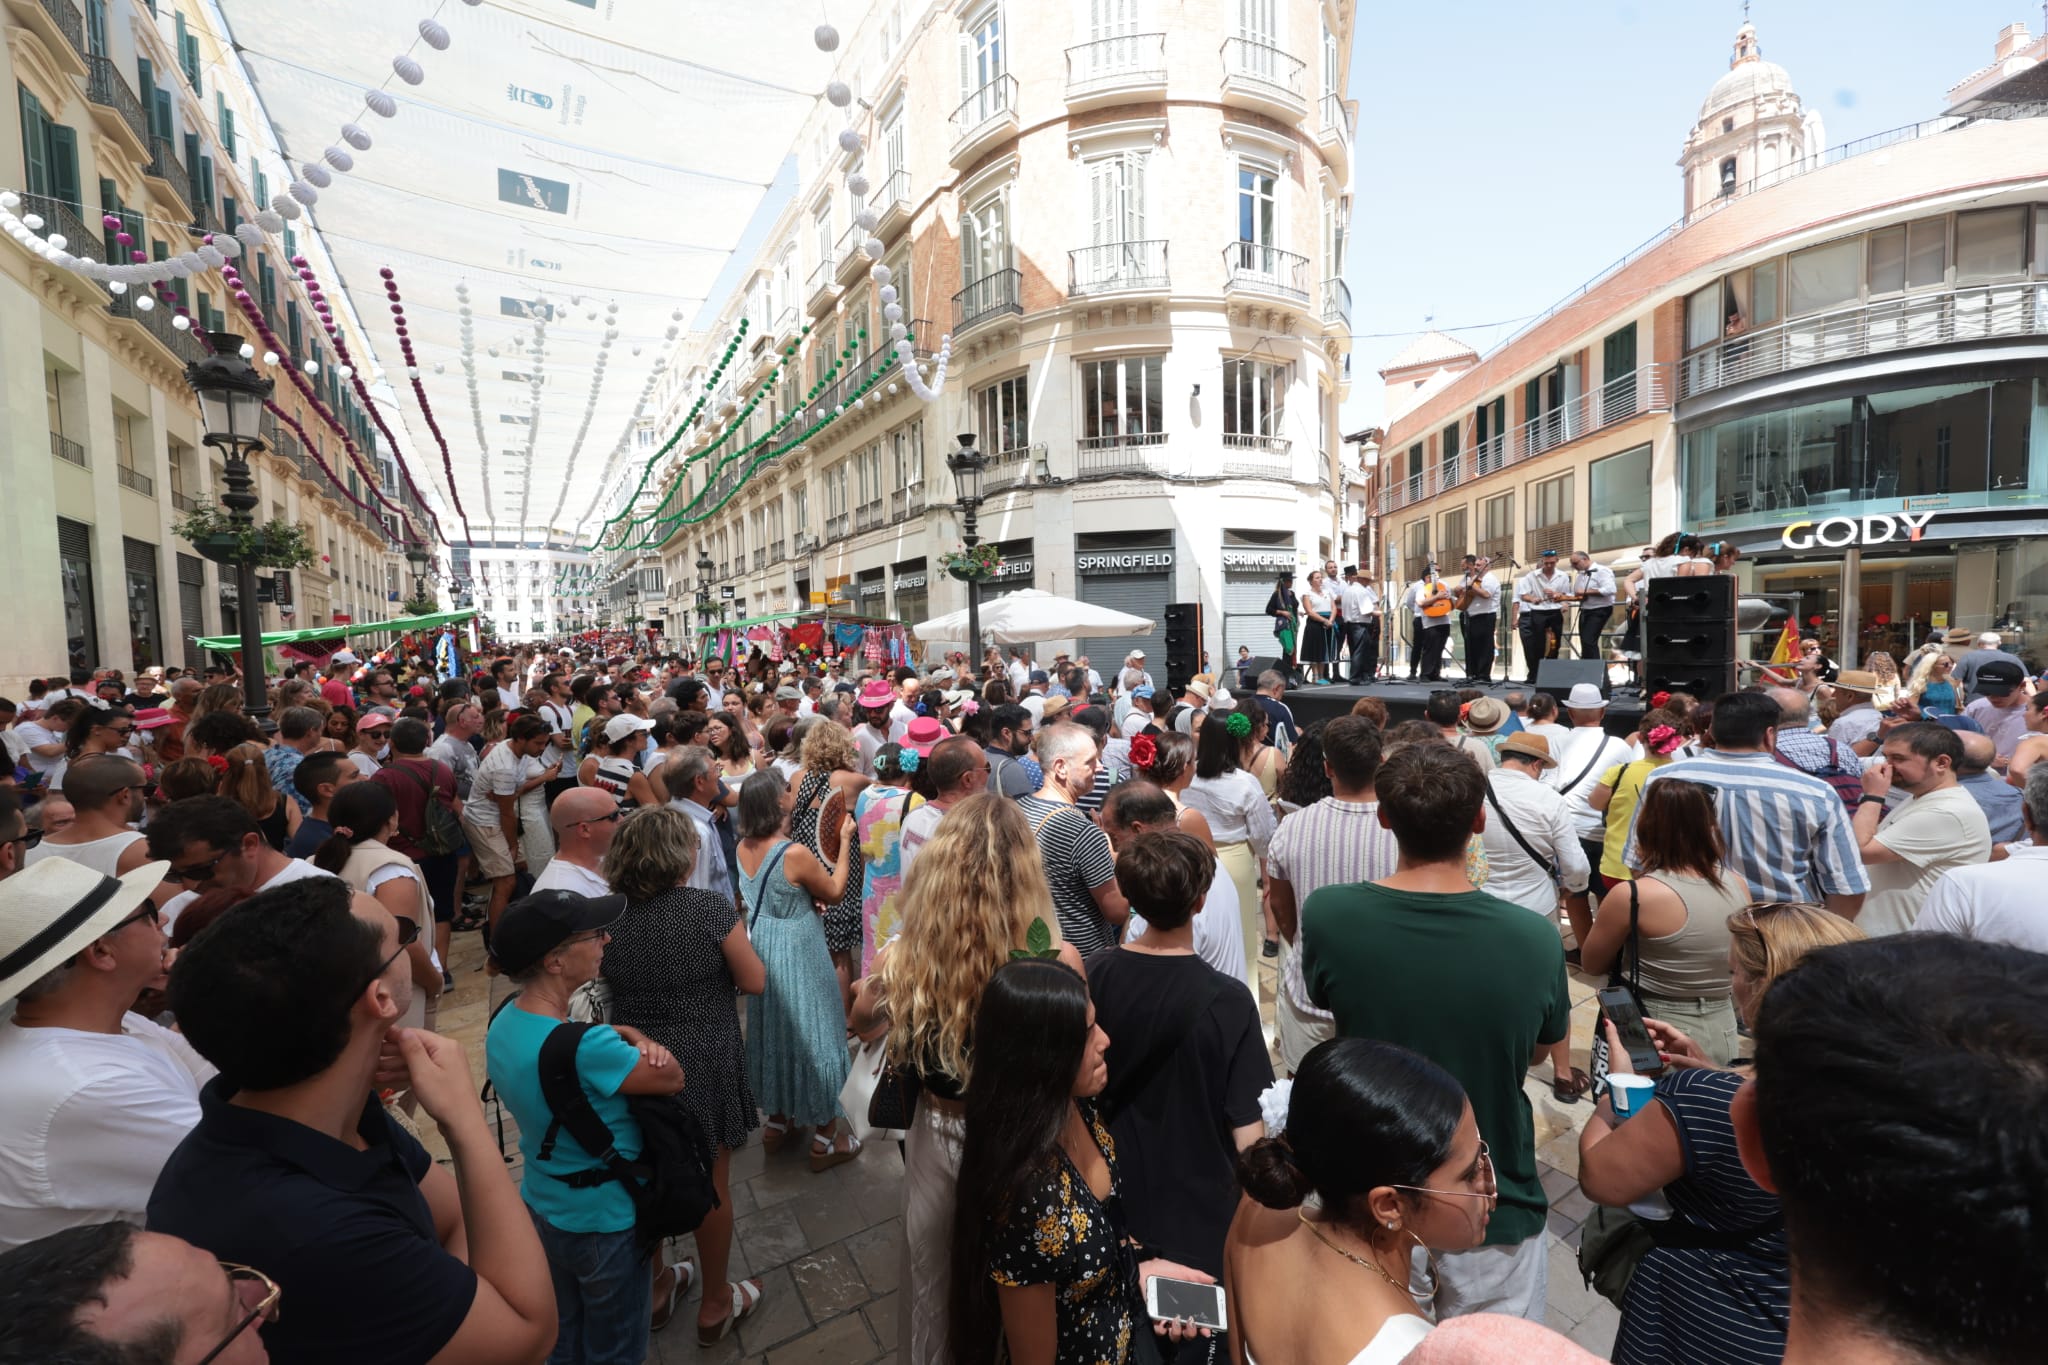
[(1630, 1094)]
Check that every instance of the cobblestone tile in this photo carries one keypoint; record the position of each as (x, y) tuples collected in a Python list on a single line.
[(842, 1341), (881, 1316), (878, 1251), (772, 1237), (829, 1281)]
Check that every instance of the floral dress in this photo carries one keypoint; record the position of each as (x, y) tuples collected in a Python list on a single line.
[(878, 824), (1060, 1234), (842, 921)]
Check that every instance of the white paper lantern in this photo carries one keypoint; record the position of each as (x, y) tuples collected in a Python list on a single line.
[(857, 184), (303, 192), (9, 200), (887, 293), (117, 286), (32, 221), (248, 352), (892, 311), (381, 103), (268, 220), (286, 207), (839, 93), (873, 246), (849, 140), (826, 37), (339, 159), (881, 274), (211, 257), (312, 367), (435, 35), (440, 369), (228, 247), (313, 173), (868, 220), (898, 331), (354, 136), (270, 357), (144, 303), (408, 70), (58, 241), (346, 372), (181, 323)]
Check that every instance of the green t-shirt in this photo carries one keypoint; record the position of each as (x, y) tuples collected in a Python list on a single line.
[(1472, 982)]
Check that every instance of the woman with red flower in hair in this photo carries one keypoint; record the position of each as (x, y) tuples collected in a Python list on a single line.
[(1169, 761)]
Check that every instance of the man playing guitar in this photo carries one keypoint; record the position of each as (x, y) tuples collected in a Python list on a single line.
[(1434, 625), (1479, 599), (1541, 594)]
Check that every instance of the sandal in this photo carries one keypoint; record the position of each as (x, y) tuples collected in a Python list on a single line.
[(832, 1154), (467, 923), (774, 1135), (1569, 1089), (746, 1297), (684, 1273)]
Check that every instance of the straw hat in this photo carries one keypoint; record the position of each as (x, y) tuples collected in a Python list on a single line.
[(1855, 680), (1526, 745), (1485, 715), (49, 912)]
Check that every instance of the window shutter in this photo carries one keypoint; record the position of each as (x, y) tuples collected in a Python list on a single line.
[(1532, 399), (206, 187), (1135, 164), (110, 202), (230, 213), (227, 126), (162, 126), (64, 166), (34, 145), (262, 183), (967, 81)]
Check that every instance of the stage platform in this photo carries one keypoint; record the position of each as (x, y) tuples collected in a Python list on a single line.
[(1404, 701)]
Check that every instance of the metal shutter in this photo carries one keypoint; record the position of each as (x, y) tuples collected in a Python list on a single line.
[(145, 615), (74, 538), (1244, 615), (191, 607), (1141, 594)]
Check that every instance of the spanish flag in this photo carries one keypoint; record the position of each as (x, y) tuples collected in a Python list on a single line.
[(1787, 648)]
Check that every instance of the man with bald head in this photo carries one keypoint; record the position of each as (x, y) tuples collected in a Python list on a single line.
[(584, 821), (959, 769), (2000, 803), (106, 791)]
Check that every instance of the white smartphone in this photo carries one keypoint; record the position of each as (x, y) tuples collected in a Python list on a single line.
[(1202, 1304)]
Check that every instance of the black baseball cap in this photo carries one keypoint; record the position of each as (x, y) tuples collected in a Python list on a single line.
[(532, 928), (1998, 677)]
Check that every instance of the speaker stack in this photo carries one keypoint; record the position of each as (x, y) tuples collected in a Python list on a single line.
[(1183, 644), (1559, 676), (1689, 635)]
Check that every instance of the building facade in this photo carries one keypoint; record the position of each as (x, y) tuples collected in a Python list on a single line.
[(1837, 363), (1131, 218), (132, 108)]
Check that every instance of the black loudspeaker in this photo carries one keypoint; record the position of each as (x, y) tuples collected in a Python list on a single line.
[(1183, 644), (1689, 636), (1557, 676)]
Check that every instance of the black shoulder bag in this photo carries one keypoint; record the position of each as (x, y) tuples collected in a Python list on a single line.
[(1549, 867), (670, 1181)]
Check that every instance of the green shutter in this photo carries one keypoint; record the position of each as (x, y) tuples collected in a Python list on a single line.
[(64, 166), (35, 147), (110, 202), (262, 183), (160, 117), (145, 81), (206, 187), (1532, 400), (227, 124), (230, 213)]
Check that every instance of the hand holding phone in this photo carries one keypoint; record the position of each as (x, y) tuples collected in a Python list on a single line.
[(1171, 1300), (1619, 1007)]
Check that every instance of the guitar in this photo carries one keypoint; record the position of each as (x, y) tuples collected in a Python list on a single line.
[(1441, 606), (1469, 593)]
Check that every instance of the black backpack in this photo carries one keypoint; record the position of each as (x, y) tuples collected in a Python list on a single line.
[(670, 1180)]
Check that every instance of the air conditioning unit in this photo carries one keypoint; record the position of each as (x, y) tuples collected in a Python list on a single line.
[(802, 543)]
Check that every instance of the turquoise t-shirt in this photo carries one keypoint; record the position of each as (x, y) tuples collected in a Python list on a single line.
[(603, 1061)]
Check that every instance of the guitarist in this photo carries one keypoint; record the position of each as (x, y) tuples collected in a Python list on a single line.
[(1433, 623), (1541, 595), (1593, 586), (1479, 600)]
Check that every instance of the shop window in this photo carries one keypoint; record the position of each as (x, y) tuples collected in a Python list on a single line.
[(1618, 489), (1990, 245), (1004, 415), (1123, 401)]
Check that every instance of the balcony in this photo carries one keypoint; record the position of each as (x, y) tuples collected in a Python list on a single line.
[(823, 288), (1116, 71), (64, 448), (869, 516), (1622, 398), (984, 118), (802, 543), (1334, 136), (60, 217), (135, 479), (891, 203), (990, 296), (1251, 456), (183, 502), (204, 217), (165, 166), (850, 262), (1336, 306), (1023, 467), (906, 503), (60, 26), (116, 109), (760, 558), (1265, 271), (1934, 318), (787, 327), (1140, 453), (1117, 268), (183, 347), (837, 527), (1261, 77)]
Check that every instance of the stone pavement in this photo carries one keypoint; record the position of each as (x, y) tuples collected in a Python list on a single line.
[(827, 1247)]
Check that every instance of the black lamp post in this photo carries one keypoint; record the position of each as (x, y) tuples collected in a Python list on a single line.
[(416, 554), (967, 465), (231, 399), (704, 567)]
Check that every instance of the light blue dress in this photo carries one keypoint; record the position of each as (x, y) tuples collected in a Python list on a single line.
[(796, 1028)]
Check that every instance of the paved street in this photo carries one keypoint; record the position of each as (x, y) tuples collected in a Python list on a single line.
[(827, 1247)]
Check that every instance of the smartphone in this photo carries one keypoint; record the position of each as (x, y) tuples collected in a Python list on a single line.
[(1618, 1005), (1202, 1304)]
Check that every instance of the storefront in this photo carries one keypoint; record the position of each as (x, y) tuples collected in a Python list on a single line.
[(1130, 572), (1882, 581), (1018, 570), (913, 595), (191, 607), (871, 593), (1252, 563)]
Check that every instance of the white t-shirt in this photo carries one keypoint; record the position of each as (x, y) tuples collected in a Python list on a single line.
[(1317, 602), (89, 1121), (1992, 902), (1932, 834), (900, 717), (294, 870), (1583, 754), (101, 855), (918, 826), (33, 733), (510, 697), (1034, 702), (563, 875), (365, 765), (497, 775)]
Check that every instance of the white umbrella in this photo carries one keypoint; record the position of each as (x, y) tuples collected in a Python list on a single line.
[(1028, 615)]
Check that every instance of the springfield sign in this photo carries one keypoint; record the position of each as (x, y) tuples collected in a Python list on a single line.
[(1837, 533), (1124, 561)]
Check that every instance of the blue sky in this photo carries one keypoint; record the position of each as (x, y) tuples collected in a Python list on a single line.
[(1509, 151)]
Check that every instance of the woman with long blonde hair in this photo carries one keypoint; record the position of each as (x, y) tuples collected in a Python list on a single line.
[(246, 781), (218, 697), (973, 895), (1932, 685)]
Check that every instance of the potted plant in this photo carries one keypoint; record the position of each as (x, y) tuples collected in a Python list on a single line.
[(422, 606), (214, 532), (977, 565)]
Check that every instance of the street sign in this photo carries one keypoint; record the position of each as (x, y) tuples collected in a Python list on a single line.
[(726, 592), (819, 599), (1939, 619)]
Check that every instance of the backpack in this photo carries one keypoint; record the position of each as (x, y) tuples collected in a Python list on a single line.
[(670, 1181), (441, 832), (1845, 778)]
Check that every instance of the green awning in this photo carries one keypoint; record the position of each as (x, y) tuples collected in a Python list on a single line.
[(230, 643)]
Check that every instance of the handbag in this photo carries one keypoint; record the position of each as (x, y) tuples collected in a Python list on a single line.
[(1613, 1242), (866, 1075), (893, 1103)]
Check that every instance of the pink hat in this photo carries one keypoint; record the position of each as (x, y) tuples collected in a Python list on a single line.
[(371, 720), (924, 732), (876, 694), (153, 718)]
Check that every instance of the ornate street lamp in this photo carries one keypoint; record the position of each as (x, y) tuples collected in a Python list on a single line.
[(967, 465), (417, 555), (231, 398)]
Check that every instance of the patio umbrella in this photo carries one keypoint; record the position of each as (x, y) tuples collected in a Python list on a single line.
[(1029, 615)]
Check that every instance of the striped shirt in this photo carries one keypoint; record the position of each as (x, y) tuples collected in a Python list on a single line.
[(1326, 844), (1787, 834), (1077, 860)]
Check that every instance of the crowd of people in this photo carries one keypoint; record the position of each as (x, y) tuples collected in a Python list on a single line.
[(1049, 903)]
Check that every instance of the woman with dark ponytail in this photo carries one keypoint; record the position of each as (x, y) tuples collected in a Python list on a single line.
[(365, 817), (1385, 1140), (1041, 1258)]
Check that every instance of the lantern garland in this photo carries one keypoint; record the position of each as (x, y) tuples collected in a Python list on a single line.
[(467, 353), (611, 334), (683, 428), (412, 374), (536, 376)]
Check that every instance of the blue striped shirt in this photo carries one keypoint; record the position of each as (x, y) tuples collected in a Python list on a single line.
[(1786, 833)]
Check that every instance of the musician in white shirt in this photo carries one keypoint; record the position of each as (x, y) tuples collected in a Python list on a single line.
[(1361, 617), (1593, 585), (1482, 616), (1540, 595)]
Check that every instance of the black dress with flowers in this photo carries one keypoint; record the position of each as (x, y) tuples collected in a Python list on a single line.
[(1060, 1234)]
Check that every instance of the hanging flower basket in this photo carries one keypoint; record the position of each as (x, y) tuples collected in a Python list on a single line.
[(977, 565), (211, 530)]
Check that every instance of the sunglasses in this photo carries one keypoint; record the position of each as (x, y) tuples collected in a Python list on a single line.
[(148, 911), (408, 934), (264, 1311), (197, 872), (603, 819)]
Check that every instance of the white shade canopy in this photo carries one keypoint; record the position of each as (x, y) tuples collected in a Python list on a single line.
[(1029, 615)]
